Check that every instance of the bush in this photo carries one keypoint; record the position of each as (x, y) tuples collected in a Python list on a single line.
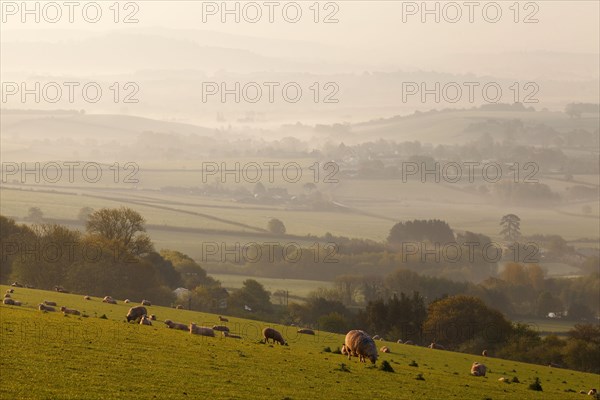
[(536, 385), (385, 366)]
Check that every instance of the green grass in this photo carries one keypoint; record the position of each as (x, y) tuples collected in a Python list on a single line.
[(296, 287), (50, 356)]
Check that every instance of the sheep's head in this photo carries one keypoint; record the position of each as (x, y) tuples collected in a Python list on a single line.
[(373, 358)]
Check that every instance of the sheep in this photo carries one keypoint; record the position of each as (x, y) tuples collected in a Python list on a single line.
[(10, 290), (306, 331), (384, 349), (409, 342), (109, 300), (592, 392), (176, 325), (50, 303), (9, 302), (179, 307), (146, 303), (484, 353), (436, 346), (145, 320), (87, 298), (16, 284), (377, 337), (229, 335), (359, 343), (60, 289), (136, 312), (70, 311), (126, 301), (43, 307), (270, 333), (399, 341), (220, 328), (201, 330), (223, 319), (478, 369)]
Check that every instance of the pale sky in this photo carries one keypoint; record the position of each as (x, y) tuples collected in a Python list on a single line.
[(376, 28)]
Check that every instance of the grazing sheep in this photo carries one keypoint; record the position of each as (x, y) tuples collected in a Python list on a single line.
[(270, 333), (136, 312), (399, 341), (478, 369), (126, 301), (359, 344), (109, 300), (220, 328), (201, 330), (87, 298), (43, 307), (484, 353), (384, 349), (176, 325), (9, 302), (69, 311), (179, 307), (60, 289), (16, 284), (229, 335), (7, 295), (10, 290), (436, 346), (50, 303), (152, 317), (306, 331), (223, 319), (146, 303), (145, 320), (592, 392), (503, 379)]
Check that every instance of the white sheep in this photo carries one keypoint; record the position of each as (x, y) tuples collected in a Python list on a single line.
[(201, 330), (176, 325), (70, 311)]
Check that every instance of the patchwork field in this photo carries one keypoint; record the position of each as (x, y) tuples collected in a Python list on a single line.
[(96, 358)]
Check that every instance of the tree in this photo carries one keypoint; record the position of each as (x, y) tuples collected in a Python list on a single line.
[(276, 226), (460, 319), (52, 250), (253, 295), (511, 227), (435, 231), (35, 214), (84, 213), (578, 312), (122, 226)]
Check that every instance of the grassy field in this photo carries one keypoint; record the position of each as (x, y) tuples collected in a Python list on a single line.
[(295, 287), (548, 326), (50, 356)]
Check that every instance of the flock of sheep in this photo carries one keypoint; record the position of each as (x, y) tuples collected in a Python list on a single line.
[(357, 343)]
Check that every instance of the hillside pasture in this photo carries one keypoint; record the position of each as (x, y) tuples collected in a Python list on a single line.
[(48, 355)]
